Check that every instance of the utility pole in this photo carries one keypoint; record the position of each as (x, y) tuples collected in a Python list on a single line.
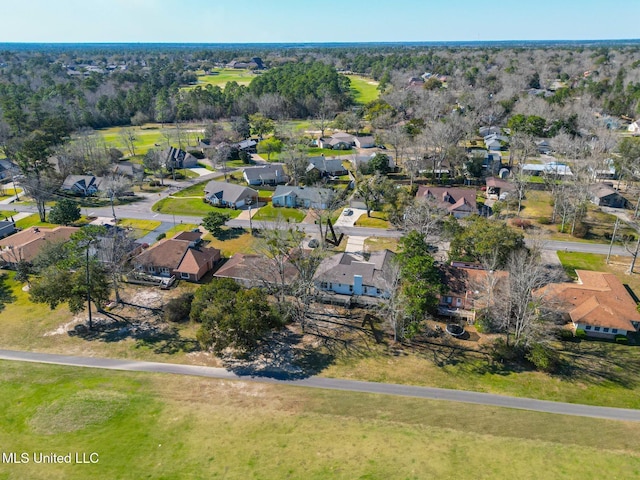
[(89, 289), (613, 237), (634, 257), (250, 221)]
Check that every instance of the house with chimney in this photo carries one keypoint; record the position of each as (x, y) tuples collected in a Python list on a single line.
[(459, 202)]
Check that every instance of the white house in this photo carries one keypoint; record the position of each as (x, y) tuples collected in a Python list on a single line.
[(634, 128)]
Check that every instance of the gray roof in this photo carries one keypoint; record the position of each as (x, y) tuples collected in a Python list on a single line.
[(128, 169), (248, 143), (84, 181), (230, 191), (313, 194), (341, 268), (265, 173), (602, 190), (326, 165), (6, 164)]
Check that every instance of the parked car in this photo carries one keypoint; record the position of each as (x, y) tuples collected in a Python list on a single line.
[(348, 212)]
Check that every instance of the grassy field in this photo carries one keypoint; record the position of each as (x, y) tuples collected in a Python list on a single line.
[(163, 426), (269, 212), (364, 89), (33, 221), (190, 206), (151, 135), (140, 227), (233, 241), (377, 220), (182, 227), (7, 214), (196, 190), (373, 244), (223, 76)]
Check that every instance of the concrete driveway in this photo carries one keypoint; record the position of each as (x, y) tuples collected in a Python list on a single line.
[(349, 220)]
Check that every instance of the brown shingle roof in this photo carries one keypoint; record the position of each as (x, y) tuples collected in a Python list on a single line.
[(254, 269), (598, 299), (450, 199), (194, 260), (26, 245)]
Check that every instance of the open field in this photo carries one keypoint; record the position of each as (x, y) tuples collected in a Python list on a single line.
[(222, 76), (150, 135), (364, 89), (165, 426), (189, 206)]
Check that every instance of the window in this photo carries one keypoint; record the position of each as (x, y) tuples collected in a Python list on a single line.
[(458, 302), (597, 329), (605, 329), (614, 330), (588, 327), (351, 288), (448, 299), (151, 269), (323, 285), (164, 270), (184, 275)]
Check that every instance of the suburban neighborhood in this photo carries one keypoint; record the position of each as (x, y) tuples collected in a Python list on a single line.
[(319, 260)]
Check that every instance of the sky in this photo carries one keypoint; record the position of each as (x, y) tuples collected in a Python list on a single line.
[(276, 21)]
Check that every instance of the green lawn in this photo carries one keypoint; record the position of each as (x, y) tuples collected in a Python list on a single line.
[(223, 76), (7, 214), (269, 212), (364, 89), (145, 425), (196, 190), (312, 152), (182, 227), (33, 221), (140, 227), (190, 206), (377, 220), (6, 192), (233, 241)]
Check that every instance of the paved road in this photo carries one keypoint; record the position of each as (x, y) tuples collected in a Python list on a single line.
[(334, 384)]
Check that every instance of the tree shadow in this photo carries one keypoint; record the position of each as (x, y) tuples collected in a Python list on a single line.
[(229, 233), (281, 357), (6, 293)]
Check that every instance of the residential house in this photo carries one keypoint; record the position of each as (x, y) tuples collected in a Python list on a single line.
[(358, 160), (543, 147), (180, 256), (25, 245), (364, 142), (84, 185), (416, 82), (607, 172), (8, 169), (327, 166), (175, 158), (550, 168), (604, 195), (634, 128), (229, 194), (598, 303), (497, 188), (493, 144), (249, 145), (337, 141), (255, 271), (7, 227), (465, 289), (459, 202), (349, 274), (306, 197), (116, 245), (133, 171), (489, 130), (270, 174)]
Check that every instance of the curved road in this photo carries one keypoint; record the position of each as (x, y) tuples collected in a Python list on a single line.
[(334, 384)]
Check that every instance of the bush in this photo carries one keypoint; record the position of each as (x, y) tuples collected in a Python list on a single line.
[(581, 230), (161, 236), (544, 221), (565, 334), (622, 339), (580, 333), (197, 153), (178, 309), (542, 357), (521, 223), (154, 183)]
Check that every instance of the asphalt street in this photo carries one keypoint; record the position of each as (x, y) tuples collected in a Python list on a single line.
[(334, 384)]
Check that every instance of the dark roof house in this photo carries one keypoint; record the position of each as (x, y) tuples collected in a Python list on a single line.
[(459, 202), (229, 194), (84, 185), (270, 174)]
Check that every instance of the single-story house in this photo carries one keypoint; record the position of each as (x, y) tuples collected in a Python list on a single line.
[(551, 168), (7, 227), (604, 195), (496, 187), (358, 160), (249, 145), (607, 172), (270, 174), (25, 245), (364, 142), (634, 128), (115, 245), (487, 130), (85, 185), (597, 303), (179, 257), (175, 158), (349, 274), (327, 166), (543, 147), (8, 169), (255, 271), (465, 287), (493, 144), (459, 202), (130, 170), (225, 194), (306, 197)]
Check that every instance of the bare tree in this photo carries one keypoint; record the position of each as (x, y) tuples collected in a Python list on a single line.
[(425, 216), (128, 137), (113, 187), (296, 160)]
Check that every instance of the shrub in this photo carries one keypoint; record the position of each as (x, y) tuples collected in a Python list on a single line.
[(581, 230), (544, 221), (154, 183), (197, 153), (521, 223), (565, 334), (542, 357), (580, 333), (177, 309), (501, 352), (161, 236), (622, 339)]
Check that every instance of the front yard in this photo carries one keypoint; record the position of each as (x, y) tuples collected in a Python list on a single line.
[(271, 213), (190, 206)]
